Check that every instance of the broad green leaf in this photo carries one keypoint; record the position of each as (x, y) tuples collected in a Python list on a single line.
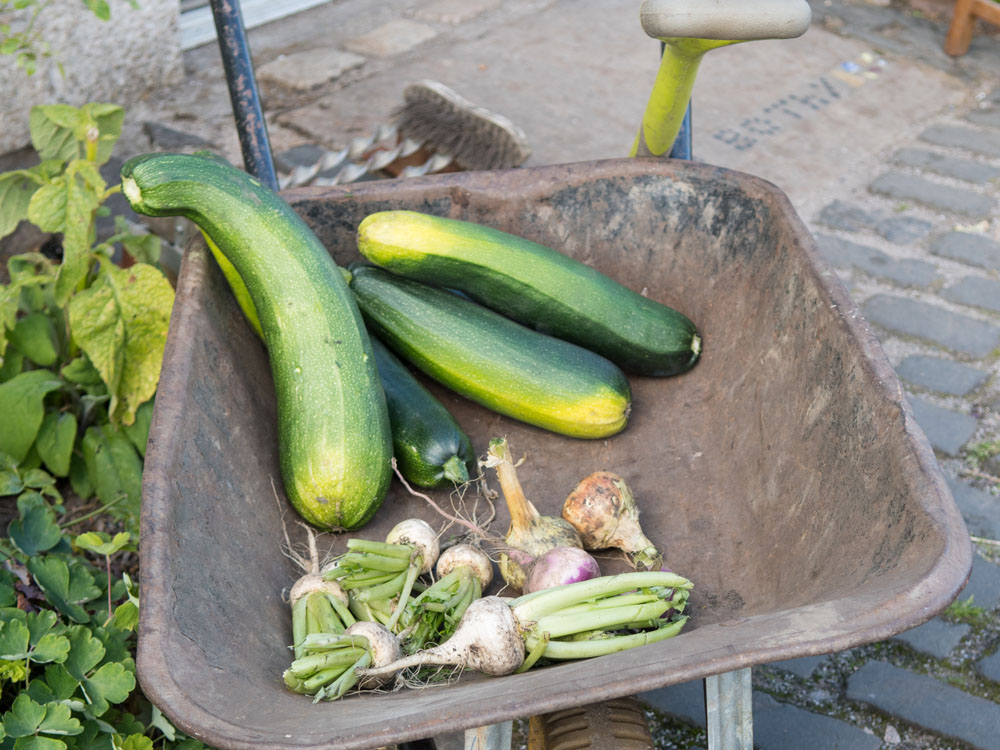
[(39, 743), (55, 441), (40, 624), (121, 323), (47, 208), (137, 742), (37, 479), (35, 530), (21, 403), (78, 236), (138, 431), (12, 361), (50, 648), (67, 585), (86, 652), (35, 336), (59, 720), (162, 723), (114, 467), (101, 543), (126, 616), (53, 128), (14, 640), (79, 477), (60, 682), (10, 483), (79, 370), (93, 737), (8, 594), (24, 717), (111, 683), (16, 189), (144, 248)]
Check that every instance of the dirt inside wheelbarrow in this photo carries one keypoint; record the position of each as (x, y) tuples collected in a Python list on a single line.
[(784, 474)]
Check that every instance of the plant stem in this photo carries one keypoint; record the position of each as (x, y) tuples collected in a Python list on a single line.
[(563, 650)]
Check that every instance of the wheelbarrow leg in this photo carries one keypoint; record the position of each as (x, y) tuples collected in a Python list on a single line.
[(729, 711), (492, 737)]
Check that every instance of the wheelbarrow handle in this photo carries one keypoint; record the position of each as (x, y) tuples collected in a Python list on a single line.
[(242, 84)]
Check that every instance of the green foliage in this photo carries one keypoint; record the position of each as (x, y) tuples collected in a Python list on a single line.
[(67, 630), (81, 341), (982, 452), (966, 611)]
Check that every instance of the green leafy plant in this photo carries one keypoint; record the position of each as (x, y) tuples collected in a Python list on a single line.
[(81, 340), (966, 611), (67, 629), (982, 452)]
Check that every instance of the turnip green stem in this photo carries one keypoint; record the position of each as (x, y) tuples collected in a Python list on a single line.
[(564, 650), (534, 654), (380, 548), (531, 607), (385, 590), (559, 625)]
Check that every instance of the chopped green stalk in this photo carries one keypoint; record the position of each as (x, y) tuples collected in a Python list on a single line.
[(404, 596), (331, 642), (531, 607), (300, 628), (559, 625), (380, 548), (366, 580), (342, 611), (319, 608), (347, 679), (371, 561), (386, 590), (312, 663), (563, 650)]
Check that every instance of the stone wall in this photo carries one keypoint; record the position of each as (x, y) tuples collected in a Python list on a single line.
[(120, 60)]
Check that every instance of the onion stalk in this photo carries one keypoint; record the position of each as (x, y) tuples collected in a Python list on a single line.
[(530, 531)]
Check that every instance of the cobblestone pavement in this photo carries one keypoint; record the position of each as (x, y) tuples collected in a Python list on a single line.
[(889, 150)]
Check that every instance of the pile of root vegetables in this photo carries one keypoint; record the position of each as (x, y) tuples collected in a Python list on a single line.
[(402, 611)]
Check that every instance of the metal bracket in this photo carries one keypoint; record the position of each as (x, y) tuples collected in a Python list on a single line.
[(729, 710)]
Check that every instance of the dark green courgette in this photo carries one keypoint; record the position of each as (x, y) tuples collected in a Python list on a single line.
[(334, 443), (430, 447), (511, 369), (534, 285)]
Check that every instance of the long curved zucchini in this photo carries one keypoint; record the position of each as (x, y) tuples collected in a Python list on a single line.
[(534, 285), (506, 367), (430, 447), (334, 443)]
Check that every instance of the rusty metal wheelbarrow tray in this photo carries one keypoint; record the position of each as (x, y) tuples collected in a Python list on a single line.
[(784, 474)]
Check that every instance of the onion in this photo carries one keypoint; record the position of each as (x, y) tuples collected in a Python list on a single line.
[(603, 510), (529, 531)]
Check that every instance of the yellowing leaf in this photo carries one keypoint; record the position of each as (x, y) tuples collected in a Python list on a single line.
[(121, 323)]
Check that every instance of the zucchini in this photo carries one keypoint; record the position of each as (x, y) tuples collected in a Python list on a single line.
[(430, 447), (334, 443), (534, 285), (490, 359)]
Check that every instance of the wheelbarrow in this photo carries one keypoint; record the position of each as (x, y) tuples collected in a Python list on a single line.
[(784, 474)]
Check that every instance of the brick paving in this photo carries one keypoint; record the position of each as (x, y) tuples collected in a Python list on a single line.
[(918, 246)]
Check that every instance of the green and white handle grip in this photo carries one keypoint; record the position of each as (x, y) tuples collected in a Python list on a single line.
[(689, 29)]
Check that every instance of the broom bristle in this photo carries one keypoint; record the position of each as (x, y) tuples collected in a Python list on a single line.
[(446, 123)]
